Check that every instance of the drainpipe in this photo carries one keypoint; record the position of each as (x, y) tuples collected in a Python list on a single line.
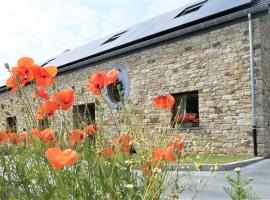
[(254, 123)]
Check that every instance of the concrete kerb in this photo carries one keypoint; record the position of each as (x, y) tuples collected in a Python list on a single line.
[(207, 167)]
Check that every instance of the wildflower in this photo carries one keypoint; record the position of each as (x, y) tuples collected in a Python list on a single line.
[(177, 144), (199, 166), (163, 154), (59, 158), (24, 68), (64, 98), (47, 108), (23, 137), (97, 82), (164, 102), (124, 143), (92, 128), (41, 93), (44, 76), (112, 76), (36, 132), (3, 137), (12, 137), (21, 74), (106, 152), (129, 186), (237, 170), (15, 81), (77, 136), (47, 135)]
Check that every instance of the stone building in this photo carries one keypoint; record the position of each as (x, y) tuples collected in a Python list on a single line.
[(202, 55)]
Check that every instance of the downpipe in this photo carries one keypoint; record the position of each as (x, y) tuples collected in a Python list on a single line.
[(253, 93)]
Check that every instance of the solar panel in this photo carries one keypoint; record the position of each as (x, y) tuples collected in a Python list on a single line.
[(150, 27)]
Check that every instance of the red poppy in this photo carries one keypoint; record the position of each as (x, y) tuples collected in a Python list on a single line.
[(64, 98), (106, 152), (163, 154), (112, 76), (44, 76), (24, 68), (92, 128), (59, 158), (36, 132), (77, 136), (47, 135), (3, 137), (47, 108), (41, 93), (15, 81), (23, 137), (178, 144), (164, 102), (124, 142), (12, 137), (97, 82)]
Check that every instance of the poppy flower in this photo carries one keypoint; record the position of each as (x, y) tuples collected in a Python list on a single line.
[(106, 152), (163, 154), (44, 76), (164, 102), (15, 81), (36, 132), (47, 108), (59, 158), (64, 98), (47, 135), (12, 137), (112, 76), (92, 128), (41, 93), (178, 144), (77, 136), (97, 82), (124, 142), (23, 137), (24, 68), (3, 137)]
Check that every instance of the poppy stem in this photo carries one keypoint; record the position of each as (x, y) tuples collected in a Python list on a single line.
[(118, 131)]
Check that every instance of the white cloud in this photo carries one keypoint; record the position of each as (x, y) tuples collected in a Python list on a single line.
[(43, 29)]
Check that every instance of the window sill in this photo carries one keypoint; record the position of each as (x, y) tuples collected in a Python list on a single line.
[(185, 129)]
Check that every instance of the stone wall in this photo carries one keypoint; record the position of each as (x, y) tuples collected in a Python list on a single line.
[(214, 63)]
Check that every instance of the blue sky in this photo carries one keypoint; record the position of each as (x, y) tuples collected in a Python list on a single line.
[(43, 29)]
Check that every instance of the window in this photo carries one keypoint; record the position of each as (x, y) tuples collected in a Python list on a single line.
[(115, 93), (186, 109), (44, 123), (114, 37), (83, 114), (11, 124), (191, 9)]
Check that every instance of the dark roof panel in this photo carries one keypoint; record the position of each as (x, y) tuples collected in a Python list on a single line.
[(147, 28)]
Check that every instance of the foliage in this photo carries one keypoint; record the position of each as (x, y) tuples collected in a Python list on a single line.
[(240, 188)]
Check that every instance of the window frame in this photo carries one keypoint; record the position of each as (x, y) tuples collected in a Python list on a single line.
[(186, 109), (87, 117), (8, 124)]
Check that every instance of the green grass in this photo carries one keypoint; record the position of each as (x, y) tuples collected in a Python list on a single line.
[(214, 158)]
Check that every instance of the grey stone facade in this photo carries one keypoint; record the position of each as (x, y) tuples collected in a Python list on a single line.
[(214, 62)]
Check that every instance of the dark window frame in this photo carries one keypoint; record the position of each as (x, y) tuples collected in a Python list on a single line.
[(188, 106), (11, 124), (83, 113), (44, 123)]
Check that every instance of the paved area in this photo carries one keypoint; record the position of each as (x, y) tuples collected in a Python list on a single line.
[(260, 171)]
